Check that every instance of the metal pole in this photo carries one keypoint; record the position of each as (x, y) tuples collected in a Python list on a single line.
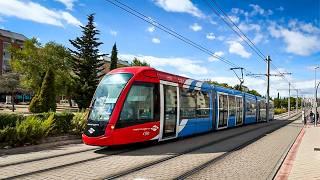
[(268, 86), (289, 101), (297, 101), (315, 119), (315, 90)]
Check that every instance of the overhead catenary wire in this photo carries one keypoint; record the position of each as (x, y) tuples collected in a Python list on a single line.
[(158, 25), (231, 24), (240, 33)]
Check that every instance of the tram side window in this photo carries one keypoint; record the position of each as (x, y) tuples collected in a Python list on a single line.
[(141, 105), (239, 109), (223, 110), (232, 105), (251, 108), (203, 102), (187, 104)]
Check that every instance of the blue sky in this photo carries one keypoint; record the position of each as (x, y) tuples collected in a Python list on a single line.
[(288, 32)]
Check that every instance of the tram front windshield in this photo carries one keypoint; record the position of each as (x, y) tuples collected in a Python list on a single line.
[(106, 96)]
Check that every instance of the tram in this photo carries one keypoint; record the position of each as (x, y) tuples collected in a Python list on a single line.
[(137, 104)]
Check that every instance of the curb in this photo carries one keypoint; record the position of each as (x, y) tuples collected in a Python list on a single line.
[(288, 160)]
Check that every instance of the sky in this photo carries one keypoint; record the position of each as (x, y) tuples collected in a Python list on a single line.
[(288, 32)]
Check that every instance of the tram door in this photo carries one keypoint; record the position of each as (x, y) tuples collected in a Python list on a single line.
[(169, 110), (223, 111)]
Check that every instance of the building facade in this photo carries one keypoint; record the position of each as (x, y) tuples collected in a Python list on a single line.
[(107, 62), (8, 38)]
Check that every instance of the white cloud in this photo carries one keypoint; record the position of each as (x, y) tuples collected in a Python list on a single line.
[(280, 8), (151, 28), (113, 32), (210, 36), (257, 38), (68, 3), (213, 58), (296, 25), (236, 48), (37, 13), (156, 40), (179, 64), (181, 6), (258, 10), (249, 27), (70, 19), (195, 27), (296, 41), (220, 38), (213, 22), (234, 19)]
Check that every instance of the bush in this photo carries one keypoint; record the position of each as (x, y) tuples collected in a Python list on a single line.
[(45, 100), (8, 135), (279, 111), (62, 121), (31, 130), (79, 122), (9, 119)]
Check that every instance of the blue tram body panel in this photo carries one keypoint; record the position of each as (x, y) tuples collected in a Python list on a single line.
[(193, 126)]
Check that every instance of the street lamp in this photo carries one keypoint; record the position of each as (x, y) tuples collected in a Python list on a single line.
[(315, 91), (315, 119)]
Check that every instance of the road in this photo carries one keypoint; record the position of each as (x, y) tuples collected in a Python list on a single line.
[(250, 152)]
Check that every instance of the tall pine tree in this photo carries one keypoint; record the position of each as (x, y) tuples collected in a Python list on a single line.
[(86, 63), (114, 57)]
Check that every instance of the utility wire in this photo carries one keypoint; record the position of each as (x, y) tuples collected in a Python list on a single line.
[(240, 33), (231, 24), (147, 19)]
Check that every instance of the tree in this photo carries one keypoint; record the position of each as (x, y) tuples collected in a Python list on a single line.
[(45, 99), (114, 57), (219, 84), (254, 92), (137, 62), (10, 84), (34, 60), (86, 63)]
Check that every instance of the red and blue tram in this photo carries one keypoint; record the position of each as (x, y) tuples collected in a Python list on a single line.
[(137, 104)]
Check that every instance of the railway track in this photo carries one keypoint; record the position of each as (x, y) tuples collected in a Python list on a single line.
[(221, 157), (58, 161), (272, 126), (71, 159)]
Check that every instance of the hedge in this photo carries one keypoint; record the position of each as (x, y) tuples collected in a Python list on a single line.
[(10, 119), (17, 130), (62, 121), (31, 130), (279, 111)]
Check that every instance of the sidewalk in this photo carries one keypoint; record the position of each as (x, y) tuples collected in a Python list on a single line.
[(303, 159)]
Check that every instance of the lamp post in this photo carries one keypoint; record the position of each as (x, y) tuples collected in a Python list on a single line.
[(315, 92), (315, 119)]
